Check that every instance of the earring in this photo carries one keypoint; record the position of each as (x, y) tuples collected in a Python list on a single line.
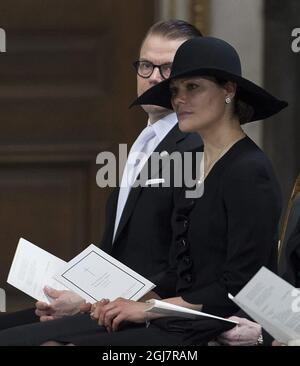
[(228, 100)]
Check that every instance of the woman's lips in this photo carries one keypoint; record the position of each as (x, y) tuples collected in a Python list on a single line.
[(183, 114)]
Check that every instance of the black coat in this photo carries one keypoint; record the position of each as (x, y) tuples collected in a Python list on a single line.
[(223, 238)]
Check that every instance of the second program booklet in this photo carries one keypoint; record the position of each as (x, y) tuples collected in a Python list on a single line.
[(163, 307)]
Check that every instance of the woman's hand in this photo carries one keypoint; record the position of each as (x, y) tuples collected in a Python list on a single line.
[(246, 333), (276, 344), (112, 314)]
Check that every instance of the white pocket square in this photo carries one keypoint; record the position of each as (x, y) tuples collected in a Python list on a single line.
[(150, 182), (163, 154)]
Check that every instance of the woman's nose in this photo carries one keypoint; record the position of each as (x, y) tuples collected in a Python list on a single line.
[(180, 97)]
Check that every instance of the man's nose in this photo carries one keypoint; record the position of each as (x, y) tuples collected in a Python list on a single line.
[(156, 77)]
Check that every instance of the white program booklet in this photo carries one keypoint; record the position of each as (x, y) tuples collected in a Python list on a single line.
[(32, 269), (94, 275), (162, 307), (273, 303)]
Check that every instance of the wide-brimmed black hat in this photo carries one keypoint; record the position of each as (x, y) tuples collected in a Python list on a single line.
[(209, 56)]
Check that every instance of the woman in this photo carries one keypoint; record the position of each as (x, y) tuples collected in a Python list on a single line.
[(222, 238)]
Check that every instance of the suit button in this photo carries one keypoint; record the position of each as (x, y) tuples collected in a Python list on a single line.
[(185, 223), (183, 243), (188, 278), (187, 259), (191, 202)]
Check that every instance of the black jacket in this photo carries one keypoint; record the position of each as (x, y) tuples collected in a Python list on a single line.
[(224, 237)]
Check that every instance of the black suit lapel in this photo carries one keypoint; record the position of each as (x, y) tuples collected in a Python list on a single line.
[(169, 144), (111, 211)]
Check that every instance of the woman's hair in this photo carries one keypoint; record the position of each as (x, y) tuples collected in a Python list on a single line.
[(242, 110)]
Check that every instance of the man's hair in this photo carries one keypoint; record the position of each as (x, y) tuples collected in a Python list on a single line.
[(173, 29)]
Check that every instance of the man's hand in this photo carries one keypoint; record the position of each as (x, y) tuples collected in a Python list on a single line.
[(65, 303), (112, 314), (246, 333)]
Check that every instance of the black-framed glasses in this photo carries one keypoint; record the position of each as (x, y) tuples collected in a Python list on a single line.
[(145, 69)]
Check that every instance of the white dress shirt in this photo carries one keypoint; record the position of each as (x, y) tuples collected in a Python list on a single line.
[(160, 128)]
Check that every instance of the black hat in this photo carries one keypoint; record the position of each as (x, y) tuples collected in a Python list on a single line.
[(209, 56)]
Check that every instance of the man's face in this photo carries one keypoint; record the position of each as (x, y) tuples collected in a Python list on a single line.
[(159, 50)]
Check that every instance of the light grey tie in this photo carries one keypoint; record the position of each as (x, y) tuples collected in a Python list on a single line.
[(138, 155)]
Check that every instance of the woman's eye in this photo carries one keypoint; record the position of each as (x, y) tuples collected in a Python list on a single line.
[(191, 86)]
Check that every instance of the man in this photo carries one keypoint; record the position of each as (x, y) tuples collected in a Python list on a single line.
[(138, 226)]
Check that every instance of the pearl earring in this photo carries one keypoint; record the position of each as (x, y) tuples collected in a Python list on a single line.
[(228, 100)]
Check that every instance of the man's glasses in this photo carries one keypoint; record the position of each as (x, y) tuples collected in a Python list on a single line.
[(145, 69)]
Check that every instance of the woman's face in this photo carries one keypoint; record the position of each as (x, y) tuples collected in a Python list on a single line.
[(199, 102)]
